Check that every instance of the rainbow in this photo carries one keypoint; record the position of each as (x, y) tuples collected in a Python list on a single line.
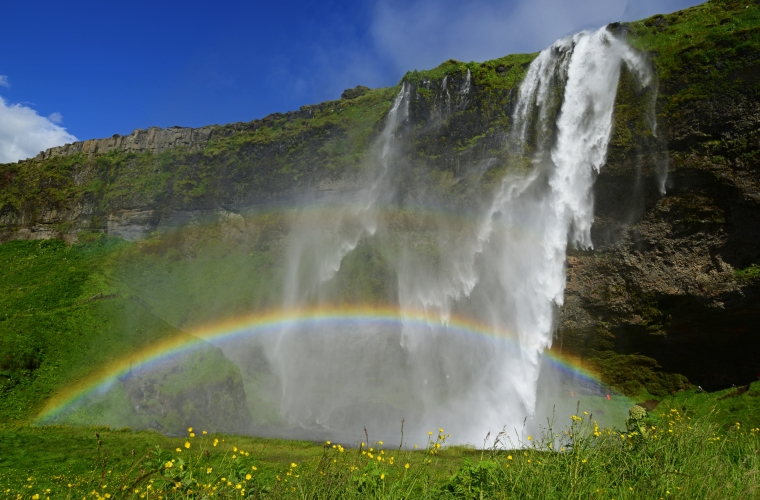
[(278, 320)]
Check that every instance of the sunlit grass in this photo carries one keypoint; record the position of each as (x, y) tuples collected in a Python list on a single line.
[(666, 454)]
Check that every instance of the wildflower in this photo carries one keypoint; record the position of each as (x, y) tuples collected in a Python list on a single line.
[(583, 461), (328, 442), (253, 467), (189, 429), (187, 444), (293, 465), (234, 448), (192, 434), (179, 450), (382, 476), (204, 433), (216, 441), (168, 465), (530, 438), (406, 466), (208, 470), (509, 457), (430, 433)]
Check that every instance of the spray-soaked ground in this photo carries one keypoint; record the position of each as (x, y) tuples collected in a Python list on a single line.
[(502, 266)]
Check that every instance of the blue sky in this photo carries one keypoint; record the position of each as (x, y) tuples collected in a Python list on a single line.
[(93, 69)]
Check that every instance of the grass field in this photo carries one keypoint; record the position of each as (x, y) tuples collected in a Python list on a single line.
[(679, 450)]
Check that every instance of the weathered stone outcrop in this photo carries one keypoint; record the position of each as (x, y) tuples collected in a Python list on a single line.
[(157, 140)]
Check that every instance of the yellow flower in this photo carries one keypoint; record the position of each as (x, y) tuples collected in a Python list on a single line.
[(36, 496), (530, 438), (168, 465), (216, 442), (328, 442), (382, 476), (293, 465), (430, 433), (179, 450), (253, 467), (189, 429), (208, 470), (192, 434), (187, 444), (204, 432), (509, 457), (248, 477), (379, 442), (583, 461), (406, 466), (234, 448)]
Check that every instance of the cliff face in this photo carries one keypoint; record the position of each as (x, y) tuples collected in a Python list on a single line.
[(672, 285)]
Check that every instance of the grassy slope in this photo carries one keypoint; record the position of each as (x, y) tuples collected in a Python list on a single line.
[(682, 454), (63, 317)]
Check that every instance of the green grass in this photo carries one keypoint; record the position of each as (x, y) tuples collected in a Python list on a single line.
[(748, 273), (64, 316), (672, 452)]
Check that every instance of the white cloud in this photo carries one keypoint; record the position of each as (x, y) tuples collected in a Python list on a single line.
[(4, 82), (24, 133), (420, 34)]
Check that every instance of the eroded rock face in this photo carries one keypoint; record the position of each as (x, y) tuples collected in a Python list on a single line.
[(664, 279)]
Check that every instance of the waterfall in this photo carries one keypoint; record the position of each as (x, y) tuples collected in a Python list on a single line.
[(506, 269)]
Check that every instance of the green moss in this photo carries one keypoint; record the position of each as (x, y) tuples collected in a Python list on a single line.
[(748, 273)]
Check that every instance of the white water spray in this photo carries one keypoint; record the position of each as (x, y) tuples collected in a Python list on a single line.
[(507, 270)]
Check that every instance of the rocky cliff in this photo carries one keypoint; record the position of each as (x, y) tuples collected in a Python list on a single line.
[(672, 286)]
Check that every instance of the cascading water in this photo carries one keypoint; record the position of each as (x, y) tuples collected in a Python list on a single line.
[(507, 270)]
